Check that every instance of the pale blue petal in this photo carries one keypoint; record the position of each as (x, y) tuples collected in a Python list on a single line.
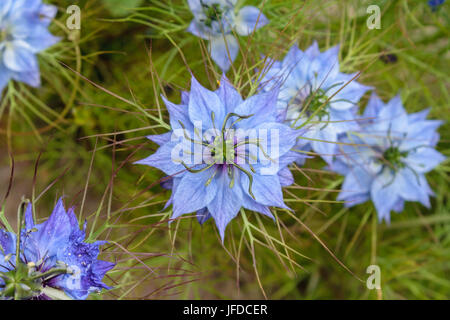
[(203, 215), (249, 19), (192, 194), (286, 177), (198, 30), (19, 59), (202, 104), (411, 188), (229, 96), (262, 107), (160, 139), (32, 78), (227, 202), (384, 194), (424, 159), (266, 189), (162, 159), (224, 50)]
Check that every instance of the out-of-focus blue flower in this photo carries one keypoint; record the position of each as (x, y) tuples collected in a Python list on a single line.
[(23, 33), (55, 262), (243, 154), (387, 160), (435, 4), (215, 21), (316, 96)]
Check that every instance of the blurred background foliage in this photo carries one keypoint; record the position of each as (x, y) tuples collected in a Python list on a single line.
[(101, 97)]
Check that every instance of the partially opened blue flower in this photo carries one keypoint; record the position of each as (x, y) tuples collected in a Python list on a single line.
[(387, 160), (54, 262), (224, 153), (217, 20), (315, 95), (23, 33)]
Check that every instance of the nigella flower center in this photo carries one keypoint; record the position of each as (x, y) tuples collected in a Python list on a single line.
[(5, 35), (394, 157), (316, 104), (217, 18), (23, 281), (226, 151), (212, 13)]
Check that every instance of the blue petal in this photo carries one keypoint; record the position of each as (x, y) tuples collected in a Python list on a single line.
[(326, 150), (198, 30), (250, 204), (7, 243), (286, 177), (224, 50), (227, 202), (192, 194), (356, 186), (53, 233), (229, 96), (249, 19), (424, 159), (203, 215), (162, 160), (178, 114), (373, 107), (29, 221), (47, 13), (266, 189), (5, 6), (194, 5), (32, 78), (202, 104), (19, 59), (384, 193), (41, 39), (261, 106), (392, 118), (419, 134), (5, 76), (418, 116), (160, 139), (412, 186)]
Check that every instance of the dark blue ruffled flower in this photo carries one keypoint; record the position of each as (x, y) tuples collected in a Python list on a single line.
[(54, 261), (234, 154), (23, 34), (387, 160), (215, 21), (308, 80), (435, 4)]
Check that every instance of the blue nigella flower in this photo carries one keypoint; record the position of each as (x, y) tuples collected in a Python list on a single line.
[(53, 261), (316, 96), (235, 154), (387, 160), (216, 20), (23, 33), (435, 4)]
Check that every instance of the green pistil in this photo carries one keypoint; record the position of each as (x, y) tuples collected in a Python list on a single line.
[(223, 151), (4, 35), (316, 104), (393, 156), (213, 13), (23, 282)]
